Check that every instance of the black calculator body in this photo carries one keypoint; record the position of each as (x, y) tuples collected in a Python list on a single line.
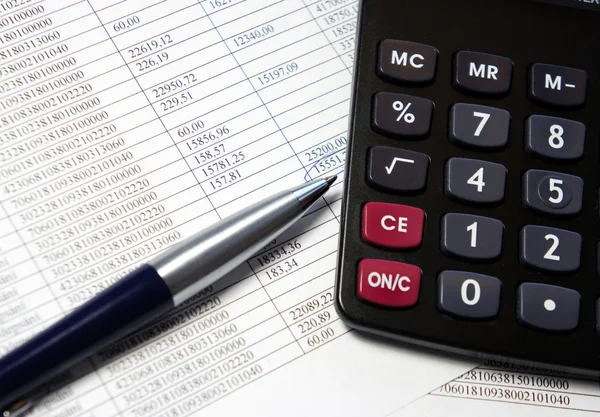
[(470, 219)]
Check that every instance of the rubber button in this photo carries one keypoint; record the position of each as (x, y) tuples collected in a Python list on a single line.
[(388, 283), (392, 225)]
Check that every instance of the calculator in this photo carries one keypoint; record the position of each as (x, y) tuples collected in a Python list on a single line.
[(470, 218)]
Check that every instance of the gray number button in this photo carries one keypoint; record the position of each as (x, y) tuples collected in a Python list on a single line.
[(468, 295), (471, 237), (555, 138), (552, 192), (479, 126), (475, 181), (550, 249), (548, 307)]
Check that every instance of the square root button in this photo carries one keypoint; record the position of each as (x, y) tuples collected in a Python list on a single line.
[(392, 226), (388, 283), (397, 170)]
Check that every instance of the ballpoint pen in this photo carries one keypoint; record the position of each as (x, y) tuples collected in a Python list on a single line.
[(152, 289)]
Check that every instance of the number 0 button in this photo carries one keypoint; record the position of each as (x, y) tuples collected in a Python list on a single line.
[(550, 249), (468, 295), (475, 181), (471, 237)]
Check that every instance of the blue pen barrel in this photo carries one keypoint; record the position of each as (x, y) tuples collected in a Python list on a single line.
[(114, 313)]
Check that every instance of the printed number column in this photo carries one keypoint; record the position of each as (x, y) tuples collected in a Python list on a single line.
[(211, 344), (305, 87), (54, 131)]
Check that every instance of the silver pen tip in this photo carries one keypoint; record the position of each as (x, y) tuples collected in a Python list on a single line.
[(331, 180)]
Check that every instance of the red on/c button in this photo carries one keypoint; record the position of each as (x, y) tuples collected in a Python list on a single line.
[(392, 225), (388, 283)]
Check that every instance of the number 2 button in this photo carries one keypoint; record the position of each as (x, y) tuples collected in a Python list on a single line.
[(550, 249), (475, 181)]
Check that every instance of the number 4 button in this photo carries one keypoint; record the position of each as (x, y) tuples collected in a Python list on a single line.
[(475, 181), (550, 249)]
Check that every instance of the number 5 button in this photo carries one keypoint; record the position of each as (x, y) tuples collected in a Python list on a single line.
[(552, 192), (550, 249), (475, 181)]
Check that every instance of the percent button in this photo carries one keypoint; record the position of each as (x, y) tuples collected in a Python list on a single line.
[(402, 115)]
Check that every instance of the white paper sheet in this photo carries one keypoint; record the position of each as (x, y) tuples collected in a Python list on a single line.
[(125, 126)]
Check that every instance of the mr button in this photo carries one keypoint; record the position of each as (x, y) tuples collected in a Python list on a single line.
[(406, 61), (481, 73), (388, 283), (392, 225)]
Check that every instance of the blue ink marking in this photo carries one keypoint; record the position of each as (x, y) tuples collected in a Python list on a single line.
[(308, 177)]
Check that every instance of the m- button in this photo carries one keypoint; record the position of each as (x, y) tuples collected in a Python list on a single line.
[(408, 62), (392, 226), (481, 73), (556, 85)]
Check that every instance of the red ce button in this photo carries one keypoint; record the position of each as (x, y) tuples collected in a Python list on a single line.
[(392, 225)]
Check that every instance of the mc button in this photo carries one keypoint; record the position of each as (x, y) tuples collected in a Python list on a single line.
[(408, 62), (392, 226)]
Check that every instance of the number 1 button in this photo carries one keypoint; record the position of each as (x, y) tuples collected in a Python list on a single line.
[(550, 249), (471, 237), (475, 181)]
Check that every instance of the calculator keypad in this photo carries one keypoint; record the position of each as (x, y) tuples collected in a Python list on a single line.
[(554, 138), (402, 115), (509, 182), (479, 126), (557, 85), (550, 249), (482, 73), (548, 307), (471, 237), (475, 181), (468, 295)]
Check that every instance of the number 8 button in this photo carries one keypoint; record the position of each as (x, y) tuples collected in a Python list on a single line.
[(555, 138)]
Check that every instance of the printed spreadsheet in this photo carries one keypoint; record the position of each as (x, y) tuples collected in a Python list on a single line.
[(128, 125)]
